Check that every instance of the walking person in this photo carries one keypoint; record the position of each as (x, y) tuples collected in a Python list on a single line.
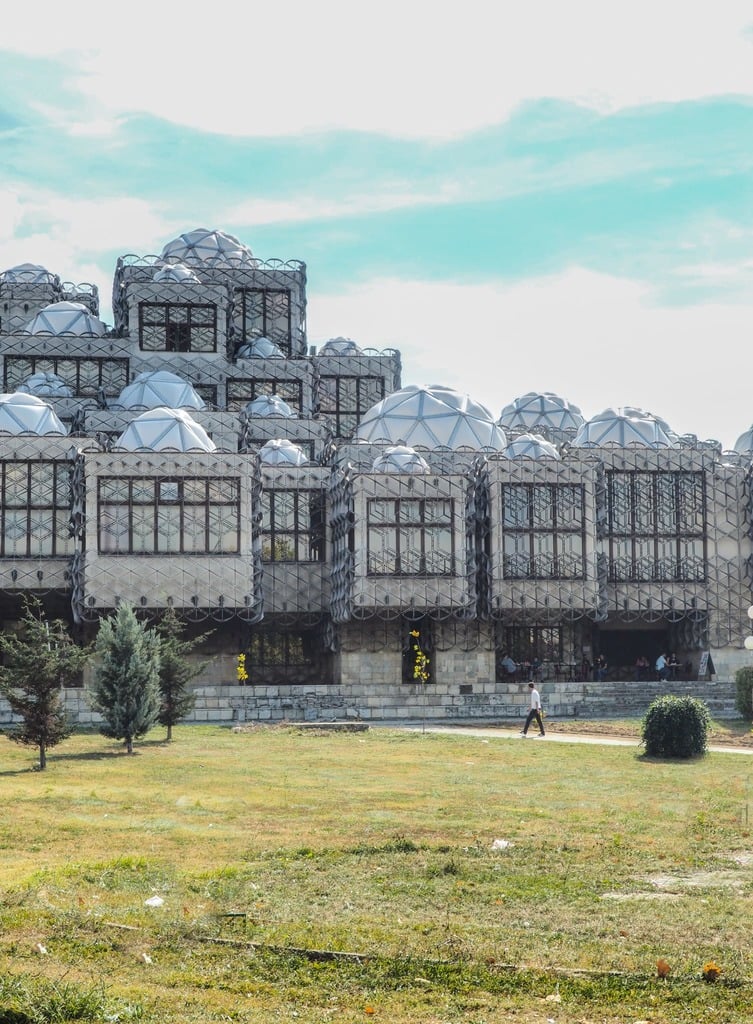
[(535, 712)]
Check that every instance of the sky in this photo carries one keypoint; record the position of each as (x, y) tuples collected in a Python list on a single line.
[(518, 197)]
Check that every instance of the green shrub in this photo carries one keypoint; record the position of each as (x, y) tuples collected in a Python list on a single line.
[(744, 695), (675, 727)]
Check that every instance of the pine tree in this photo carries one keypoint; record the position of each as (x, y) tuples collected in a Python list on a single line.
[(40, 659), (176, 671), (126, 688)]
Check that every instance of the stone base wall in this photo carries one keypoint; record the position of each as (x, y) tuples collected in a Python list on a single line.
[(380, 702)]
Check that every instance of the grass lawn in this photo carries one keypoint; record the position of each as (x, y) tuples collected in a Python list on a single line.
[(315, 876)]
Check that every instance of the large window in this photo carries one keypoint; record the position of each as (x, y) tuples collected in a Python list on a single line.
[(242, 390), (344, 400), (410, 537), (188, 516), (656, 526), (85, 377), (36, 510), (293, 526), (287, 656), (264, 312), (177, 327), (543, 531)]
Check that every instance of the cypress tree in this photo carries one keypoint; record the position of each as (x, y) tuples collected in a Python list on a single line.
[(126, 688), (40, 659), (176, 671)]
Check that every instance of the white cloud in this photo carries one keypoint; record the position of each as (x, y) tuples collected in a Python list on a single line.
[(400, 68), (256, 212), (66, 235), (598, 341)]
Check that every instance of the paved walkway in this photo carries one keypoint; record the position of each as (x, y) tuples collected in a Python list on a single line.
[(552, 736)]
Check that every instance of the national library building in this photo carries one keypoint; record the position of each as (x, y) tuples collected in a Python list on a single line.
[(375, 550)]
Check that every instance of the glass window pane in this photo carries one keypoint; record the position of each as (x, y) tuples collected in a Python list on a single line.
[(113, 528), (438, 511), (691, 510), (223, 530), (142, 519), (644, 508), (194, 532), (645, 558), (543, 507), (666, 512), (382, 549), (168, 528), (284, 508), (410, 510), (516, 507), (15, 533), (143, 491), (409, 542), (570, 508), (438, 545), (382, 511), (16, 484)]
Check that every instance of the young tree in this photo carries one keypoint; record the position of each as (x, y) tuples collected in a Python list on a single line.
[(126, 687), (40, 659), (176, 671)]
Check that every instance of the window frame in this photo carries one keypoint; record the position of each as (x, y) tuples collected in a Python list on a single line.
[(156, 510), (531, 540)]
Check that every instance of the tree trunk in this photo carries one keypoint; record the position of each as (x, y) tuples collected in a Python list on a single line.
[(129, 744), (169, 731), (42, 757)]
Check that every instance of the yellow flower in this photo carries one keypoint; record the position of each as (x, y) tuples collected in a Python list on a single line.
[(711, 971), (240, 672)]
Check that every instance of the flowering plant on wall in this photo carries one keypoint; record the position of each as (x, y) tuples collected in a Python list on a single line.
[(421, 663), (240, 671)]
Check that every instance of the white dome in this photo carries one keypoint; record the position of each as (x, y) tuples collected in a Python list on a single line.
[(48, 385), (281, 452), (400, 458), (431, 417), (155, 388), (27, 273), (744, 443), (634, 413), (175, 272), (539, 410), (66, 318), (21, 413), (270, 405), (208, 246), (161, 430), (616, 427), (340, 347), (259, 348), (531, 446)]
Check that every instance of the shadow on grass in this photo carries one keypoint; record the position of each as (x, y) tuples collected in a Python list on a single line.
[(89, 755)]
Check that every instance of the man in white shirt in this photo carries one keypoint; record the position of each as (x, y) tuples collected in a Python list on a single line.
[(661, 666), (535, 712)]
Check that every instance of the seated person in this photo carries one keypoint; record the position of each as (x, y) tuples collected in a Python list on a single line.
[(509, 665)]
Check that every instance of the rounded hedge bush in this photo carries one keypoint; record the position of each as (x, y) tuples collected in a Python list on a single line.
[(744, 695), (675, 727)]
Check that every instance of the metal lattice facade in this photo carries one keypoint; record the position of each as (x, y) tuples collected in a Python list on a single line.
[(316, 513)]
